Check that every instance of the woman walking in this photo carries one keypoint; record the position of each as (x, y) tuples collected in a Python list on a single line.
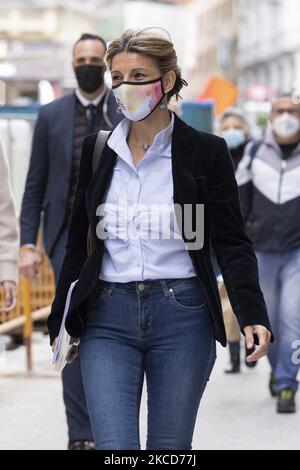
[(147, 304)]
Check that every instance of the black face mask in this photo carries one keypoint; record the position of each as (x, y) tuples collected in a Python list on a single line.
[(90, 77)]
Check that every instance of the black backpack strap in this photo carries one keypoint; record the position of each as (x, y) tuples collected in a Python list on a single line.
[(102, 138), (256, 144)]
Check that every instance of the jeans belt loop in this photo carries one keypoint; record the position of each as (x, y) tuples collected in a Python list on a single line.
[(110, 288), (165, 287)]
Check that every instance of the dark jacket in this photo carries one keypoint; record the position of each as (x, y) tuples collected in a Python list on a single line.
[(203, 172), (49, 176), (269, 187)]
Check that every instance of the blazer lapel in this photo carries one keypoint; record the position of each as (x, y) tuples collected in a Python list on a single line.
[(183, 156), (67, 126)]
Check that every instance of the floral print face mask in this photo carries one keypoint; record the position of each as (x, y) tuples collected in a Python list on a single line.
[(137, 100)]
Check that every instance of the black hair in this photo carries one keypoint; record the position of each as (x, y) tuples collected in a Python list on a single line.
[(90, 37)]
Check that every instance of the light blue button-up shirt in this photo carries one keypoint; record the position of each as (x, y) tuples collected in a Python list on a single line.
[(143, 240)]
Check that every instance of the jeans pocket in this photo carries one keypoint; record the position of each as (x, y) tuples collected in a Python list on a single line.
[(188, 298), (99, 293)]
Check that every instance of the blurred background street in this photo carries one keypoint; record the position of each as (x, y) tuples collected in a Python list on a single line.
[(251, 47)]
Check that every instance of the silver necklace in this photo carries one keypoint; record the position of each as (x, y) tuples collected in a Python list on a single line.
[(145, 146)]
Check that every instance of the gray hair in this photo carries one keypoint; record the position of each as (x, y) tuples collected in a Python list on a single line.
[(234, 112)]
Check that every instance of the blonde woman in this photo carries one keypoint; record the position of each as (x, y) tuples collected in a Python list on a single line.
[(9, 238), (146, 304)]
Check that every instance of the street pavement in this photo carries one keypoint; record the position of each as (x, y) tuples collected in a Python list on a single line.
[(236, 412)]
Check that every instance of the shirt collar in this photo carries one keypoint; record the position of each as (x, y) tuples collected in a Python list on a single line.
[(161, 143), (85, 102), (162, 140)]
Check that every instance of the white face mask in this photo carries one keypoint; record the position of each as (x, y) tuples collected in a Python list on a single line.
[(234, 137), (286, 126), (138, 100)]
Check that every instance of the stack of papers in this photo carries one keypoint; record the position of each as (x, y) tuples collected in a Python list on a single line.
[(65, 342)]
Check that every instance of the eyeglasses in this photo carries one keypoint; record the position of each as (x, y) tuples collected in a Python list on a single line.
[(293, 111)]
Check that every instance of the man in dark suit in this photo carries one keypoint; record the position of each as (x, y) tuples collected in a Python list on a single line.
[(50, 188)]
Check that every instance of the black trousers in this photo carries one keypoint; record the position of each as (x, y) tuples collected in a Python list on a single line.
[(74, 397)]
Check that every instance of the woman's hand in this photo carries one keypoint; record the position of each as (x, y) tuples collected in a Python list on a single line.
[(264, 338), (10, 293), (29, 262), (54, 344), (73, 352)]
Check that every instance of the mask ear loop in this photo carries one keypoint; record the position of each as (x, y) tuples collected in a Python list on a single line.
[(163, 104)]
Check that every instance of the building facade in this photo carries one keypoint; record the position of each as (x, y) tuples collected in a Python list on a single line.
[(36, 40), (269, 43), (216, 42)]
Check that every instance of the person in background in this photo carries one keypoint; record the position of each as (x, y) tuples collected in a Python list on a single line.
[(234, 128), (50, 188), (269, 181), (9, 242)]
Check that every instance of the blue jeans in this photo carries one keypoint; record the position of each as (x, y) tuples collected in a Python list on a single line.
[(280, 282), (160, 329)]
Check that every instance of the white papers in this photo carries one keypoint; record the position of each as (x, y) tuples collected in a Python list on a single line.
[(65, 341)]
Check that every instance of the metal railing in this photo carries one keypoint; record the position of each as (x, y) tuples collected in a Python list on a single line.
[(34, 299)]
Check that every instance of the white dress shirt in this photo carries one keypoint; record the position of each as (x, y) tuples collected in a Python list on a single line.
[(143, 237), (85, 102)]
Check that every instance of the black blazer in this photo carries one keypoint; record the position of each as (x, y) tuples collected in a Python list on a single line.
[(203, 172), (49, 176)]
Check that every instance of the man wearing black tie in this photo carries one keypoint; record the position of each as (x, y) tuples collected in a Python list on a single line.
[(50, 189)]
